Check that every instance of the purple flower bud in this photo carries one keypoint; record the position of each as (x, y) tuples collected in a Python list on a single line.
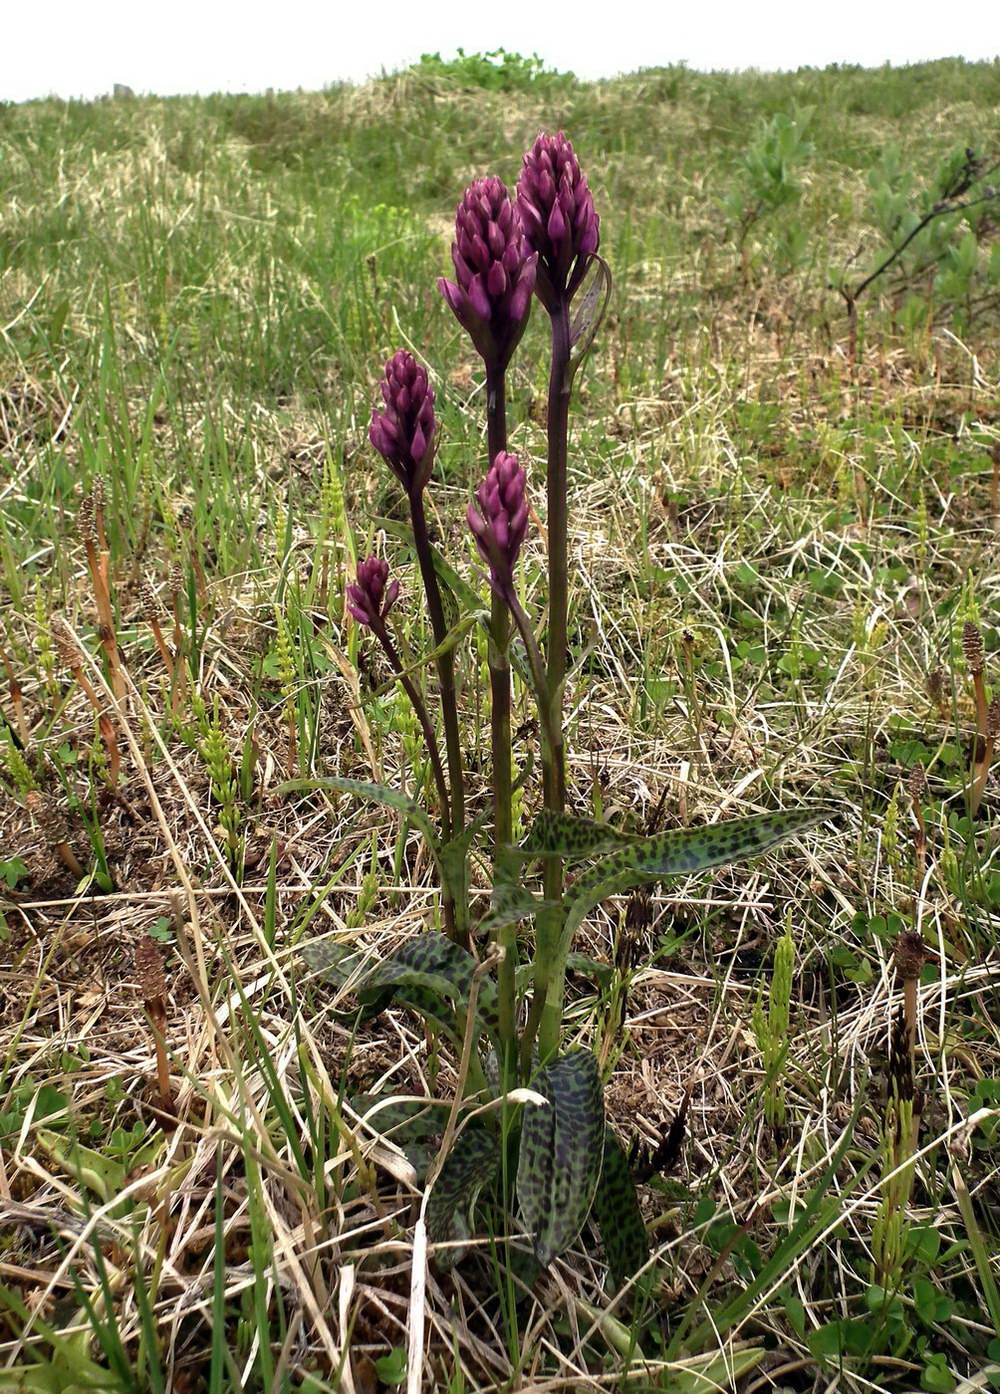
[(403, 434), (370, 599), (494, 272), (499, 518), (556, 211)]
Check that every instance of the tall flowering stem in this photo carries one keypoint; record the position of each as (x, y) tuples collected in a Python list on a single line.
[(556, 211), (491, 298), (498, 519), (404, 435), (369, 600)]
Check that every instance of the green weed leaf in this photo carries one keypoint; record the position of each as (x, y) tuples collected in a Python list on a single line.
[(377, 793), (454, 637), (708, 1374), (616, 1210), (470, 1165), (562, 1147), (593, 307)]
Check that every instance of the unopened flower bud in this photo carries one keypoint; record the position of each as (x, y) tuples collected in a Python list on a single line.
[(499, 518), (403, 433), (86, 525), (494, 272), (556, 211), (370, 598), (149, 602)]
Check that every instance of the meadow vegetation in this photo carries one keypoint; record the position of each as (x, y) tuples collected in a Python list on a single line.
[(784, 511)]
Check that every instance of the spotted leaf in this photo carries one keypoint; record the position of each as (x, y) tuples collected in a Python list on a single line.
[(555, 834), (471, 1164), (562, 1147), (679, 853), (616, 1210)]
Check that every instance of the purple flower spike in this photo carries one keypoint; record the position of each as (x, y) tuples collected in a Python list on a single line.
[(556, 211), (499, 519), (370, 599), (494, 271), (403, 434)]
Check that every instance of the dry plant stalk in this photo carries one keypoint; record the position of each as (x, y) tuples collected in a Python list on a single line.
[(995, 487), (153, 986), (54, 830)]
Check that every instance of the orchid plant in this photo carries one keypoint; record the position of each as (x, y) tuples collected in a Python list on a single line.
[(497, 998)]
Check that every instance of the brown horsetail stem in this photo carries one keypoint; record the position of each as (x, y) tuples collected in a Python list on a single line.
[(90, 526), (917, 788), (151, 611), (53, 828), (153, 986), (984, 756), (70, 655)]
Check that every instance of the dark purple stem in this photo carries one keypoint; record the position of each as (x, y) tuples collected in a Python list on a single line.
[(500, 760), (381, 633), (549, 922)]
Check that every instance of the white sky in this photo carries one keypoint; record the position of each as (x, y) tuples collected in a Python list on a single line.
[(82, 47)]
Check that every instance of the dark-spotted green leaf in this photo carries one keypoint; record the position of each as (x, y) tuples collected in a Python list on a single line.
[(555, 834), (679, 853), (592, 968), (429, 973), (433, 963), (470, 1165), (616, 1210), (508, 905), (346, 970), (562, 1147)]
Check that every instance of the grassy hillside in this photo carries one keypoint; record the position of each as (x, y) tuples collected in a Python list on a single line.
[(784, 466)]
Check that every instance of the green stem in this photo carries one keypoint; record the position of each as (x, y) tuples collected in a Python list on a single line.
[(500, 741)]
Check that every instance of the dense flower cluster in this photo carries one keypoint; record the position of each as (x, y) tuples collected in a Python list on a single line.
[(556, 211), (403, 433), (370, 598), (494, 272), (499, 518)]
